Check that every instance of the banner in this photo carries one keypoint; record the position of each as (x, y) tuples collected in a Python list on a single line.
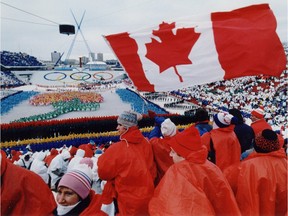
[(201, 49)]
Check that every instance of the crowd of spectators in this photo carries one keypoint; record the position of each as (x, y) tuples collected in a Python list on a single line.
[(18, 59), (9, 80), (138, 104), (244, 93)]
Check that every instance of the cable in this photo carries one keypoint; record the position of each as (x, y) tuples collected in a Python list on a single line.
[(26, 21), (29, 13), (117, 11)]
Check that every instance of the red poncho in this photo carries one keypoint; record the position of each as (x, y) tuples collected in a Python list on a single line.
[(193, 187), (23, 192), (129, 163), (226, 145), (260, 183), (161, 151)]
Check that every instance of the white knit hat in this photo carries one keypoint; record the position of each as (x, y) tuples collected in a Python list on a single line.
[(65, 154), (168, 128), (80, 153)]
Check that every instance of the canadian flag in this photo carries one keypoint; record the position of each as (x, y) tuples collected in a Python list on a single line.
[(201, 49)]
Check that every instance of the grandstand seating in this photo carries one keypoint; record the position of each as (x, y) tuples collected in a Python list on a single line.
[(18, 59), (8, 79)]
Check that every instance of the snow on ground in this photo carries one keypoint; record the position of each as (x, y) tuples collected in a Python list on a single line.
[(112, 105)]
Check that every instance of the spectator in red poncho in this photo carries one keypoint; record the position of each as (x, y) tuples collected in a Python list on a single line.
[(192, 185), (260, 181), (258, 121), (222, 143), (49, 158), (24, 192), (161, 149), (128, 166)]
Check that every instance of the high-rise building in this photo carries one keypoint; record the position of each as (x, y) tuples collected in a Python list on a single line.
[(55, 56), (100, 56), (92, 55)]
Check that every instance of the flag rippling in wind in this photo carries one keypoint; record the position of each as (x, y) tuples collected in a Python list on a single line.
[(201, 49)]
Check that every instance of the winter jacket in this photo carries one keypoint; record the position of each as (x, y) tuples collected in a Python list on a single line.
[(39, 167), (193, 187), (260, 125), (89, 206), (57, 169), (130, 166), (245, 135), (162, 157), (260, 183), (23, 192), (49, 158), (223, 145)]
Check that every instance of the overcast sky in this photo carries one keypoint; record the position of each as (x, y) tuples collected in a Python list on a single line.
[(32, 26)]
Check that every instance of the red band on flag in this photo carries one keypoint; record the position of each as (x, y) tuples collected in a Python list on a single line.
[(130, 59), (247, 43)]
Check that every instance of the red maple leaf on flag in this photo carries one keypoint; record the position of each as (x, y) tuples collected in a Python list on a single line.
[(173, 49)]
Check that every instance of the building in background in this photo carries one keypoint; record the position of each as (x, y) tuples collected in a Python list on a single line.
[(92, 55), (100, 57), (55, 56)]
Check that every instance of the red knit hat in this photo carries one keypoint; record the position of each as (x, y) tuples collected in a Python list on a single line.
[(185, 142), (259, 113)]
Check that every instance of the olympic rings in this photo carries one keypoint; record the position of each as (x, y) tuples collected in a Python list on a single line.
[(83, 77), (78, 76), (55, 79), (103, 76)]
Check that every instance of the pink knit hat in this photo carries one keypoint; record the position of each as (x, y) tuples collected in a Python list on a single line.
[(79, 180)]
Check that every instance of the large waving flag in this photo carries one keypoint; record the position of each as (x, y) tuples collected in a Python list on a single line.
[(201, 49)]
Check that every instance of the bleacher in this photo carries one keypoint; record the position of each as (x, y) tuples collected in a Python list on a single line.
[(13, 59), (9, 80)]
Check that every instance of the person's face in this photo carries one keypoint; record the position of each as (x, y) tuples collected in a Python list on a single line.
[(176, 158), (66, 196), (253, 118), (121, 129)]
